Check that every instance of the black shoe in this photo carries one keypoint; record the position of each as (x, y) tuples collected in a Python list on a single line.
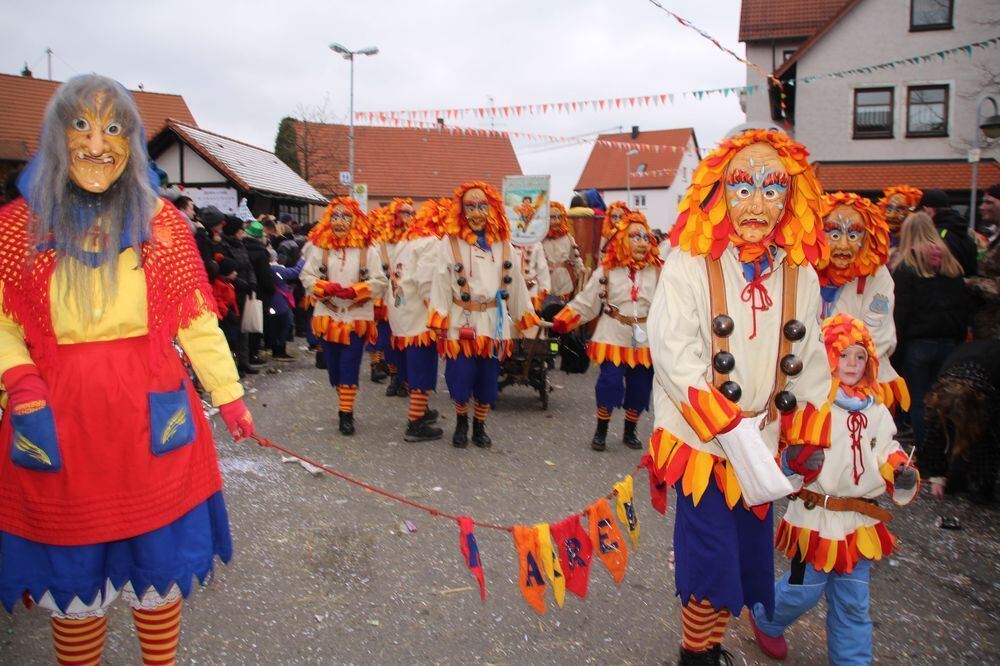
[(713, 656), (379, 373), (430, 415), (600, 440), (460, 439), (257, 360), (320, 360), (629, 439), (393, 387), (346, 423), (479, 436), (402, 391), (421, 431), (249, 370), (283, 357)]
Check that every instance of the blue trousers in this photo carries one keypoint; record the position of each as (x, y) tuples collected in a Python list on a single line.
[(343, 362), (848, 626), (418, 366), (383, 342), (472, 376), (619, 385)]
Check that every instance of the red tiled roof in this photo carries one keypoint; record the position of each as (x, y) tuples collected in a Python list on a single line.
[(606, 166), (764, 20), (402, 161), (23, 101), (876, 176)]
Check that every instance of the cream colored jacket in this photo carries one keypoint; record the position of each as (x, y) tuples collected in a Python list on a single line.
[(873, 306), (531, 258), (559, 252), (342, 267), (414, 261), (589, 304)]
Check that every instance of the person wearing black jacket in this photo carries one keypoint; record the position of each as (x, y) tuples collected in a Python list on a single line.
[(932, 312), (953, 228), (231, 246), (260, 261)]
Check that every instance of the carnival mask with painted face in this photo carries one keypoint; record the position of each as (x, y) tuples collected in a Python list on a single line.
[(98, 148), (476, 207), (615, 215), (756, 189), (340, 220), (851, 365), (845, 234), (404, 215), (638, 241), (896, 210)]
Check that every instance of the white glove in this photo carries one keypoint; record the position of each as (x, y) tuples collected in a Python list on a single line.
[(761, 480)]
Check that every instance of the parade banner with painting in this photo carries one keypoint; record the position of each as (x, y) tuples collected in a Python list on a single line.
[(526, 202)]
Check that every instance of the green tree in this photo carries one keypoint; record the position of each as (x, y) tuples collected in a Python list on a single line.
[(286, 145)]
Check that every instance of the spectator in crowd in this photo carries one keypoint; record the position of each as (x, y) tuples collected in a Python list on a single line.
[(281, 306), (209, 237), (933, 308), (231, 246), (952, 227), (222, 275), (986, 285), (185, 205), (962, 443), (260, 261)]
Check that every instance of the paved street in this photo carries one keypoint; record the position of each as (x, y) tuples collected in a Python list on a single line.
[(324, 573)]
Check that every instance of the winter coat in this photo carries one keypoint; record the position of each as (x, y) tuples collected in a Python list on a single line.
[(933, 307), (260, 261), (985, 287), (954, 230)]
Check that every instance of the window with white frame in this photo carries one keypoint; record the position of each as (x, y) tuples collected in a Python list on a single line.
[(927, 110), (638, 200)]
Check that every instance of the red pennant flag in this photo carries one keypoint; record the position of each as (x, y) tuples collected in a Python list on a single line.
[(575, 553), (601, 103), (646, 98), (470, 551), (618, 102), (657, 488), (529, 560), (631, 101), (606, 539)]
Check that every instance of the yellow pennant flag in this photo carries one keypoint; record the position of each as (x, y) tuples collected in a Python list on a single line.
[(625, 509), (550, 563)]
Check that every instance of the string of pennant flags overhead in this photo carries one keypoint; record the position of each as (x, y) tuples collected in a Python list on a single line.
[(654, 100)]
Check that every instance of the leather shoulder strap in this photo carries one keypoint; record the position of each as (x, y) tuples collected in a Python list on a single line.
[(456, 254), (718, 306), (789, 291)]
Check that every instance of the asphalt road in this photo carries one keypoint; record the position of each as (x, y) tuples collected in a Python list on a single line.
[(325, 572)]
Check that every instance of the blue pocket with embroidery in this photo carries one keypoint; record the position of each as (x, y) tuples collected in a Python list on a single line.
[(170, 422), (35, 445)]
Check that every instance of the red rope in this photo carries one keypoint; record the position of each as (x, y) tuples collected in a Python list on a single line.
[(263, 441)]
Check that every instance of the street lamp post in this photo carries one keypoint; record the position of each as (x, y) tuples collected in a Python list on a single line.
[(991, 128), (348, 54), (628, 175)]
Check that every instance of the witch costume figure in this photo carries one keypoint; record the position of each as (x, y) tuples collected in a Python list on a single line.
[(855, 279), (109, 483), (734, 337)]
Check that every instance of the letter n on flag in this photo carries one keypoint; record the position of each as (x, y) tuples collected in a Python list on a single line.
[(575, 553)]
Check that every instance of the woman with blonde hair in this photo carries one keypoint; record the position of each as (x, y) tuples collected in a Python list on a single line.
[(933, 309)]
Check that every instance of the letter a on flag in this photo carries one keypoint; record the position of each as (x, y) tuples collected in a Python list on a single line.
[(607, 539), (550, 563), (470, 551), (529, 560), (575, 553)]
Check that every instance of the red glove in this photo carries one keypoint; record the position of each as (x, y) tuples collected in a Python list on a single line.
[(27, 391), (560, 326), (331, 289), (805, 459), (347, 293), (238, 419)]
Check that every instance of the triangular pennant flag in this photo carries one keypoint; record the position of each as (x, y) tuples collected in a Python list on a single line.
[(606, 539), (529, 564), (470, 551), (550, 563), (657, 488), (663, 99), (575, 553), (625, 507)]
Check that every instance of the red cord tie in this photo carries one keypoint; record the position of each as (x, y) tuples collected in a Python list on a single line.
[(856, 422), (755, 293)]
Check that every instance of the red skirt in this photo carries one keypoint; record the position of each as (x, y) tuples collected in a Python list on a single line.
[(134, 450)]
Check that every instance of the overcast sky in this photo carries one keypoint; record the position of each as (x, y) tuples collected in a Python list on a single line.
[(242, 66)]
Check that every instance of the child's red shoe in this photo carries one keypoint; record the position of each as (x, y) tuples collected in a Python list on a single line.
[(774, 647)]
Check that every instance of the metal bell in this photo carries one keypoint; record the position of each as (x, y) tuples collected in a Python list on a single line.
[(603, 280), (724, 362), (466, 297), (791, 365), (504, 294), (731, 390), (385, 267), (322, 270), (461, 281), (794, 330), (602, 295), (459, 268), (507, 264), (507, 279), (785, 401), (723, 326)]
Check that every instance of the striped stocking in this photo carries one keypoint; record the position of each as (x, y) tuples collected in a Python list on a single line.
[(79, 642)]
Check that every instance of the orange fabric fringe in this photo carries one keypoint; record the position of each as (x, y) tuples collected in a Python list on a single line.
[(873, 543), (599, 352), (482, 346), (333, 330)]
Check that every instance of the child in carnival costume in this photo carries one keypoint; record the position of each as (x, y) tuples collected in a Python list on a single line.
[(109, 483), (833, 529), (477, 296), (343, 272), (390, 223), (739, 363), (619, 292), (410, 266), (856, 280), (562, 254), (380, 351), (896, 204), (614, 216)]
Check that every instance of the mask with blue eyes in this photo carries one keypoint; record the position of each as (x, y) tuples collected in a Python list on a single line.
[(757, 185), (845, 234)]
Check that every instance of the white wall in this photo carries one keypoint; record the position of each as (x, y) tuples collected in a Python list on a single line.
[(768, 57), (196, 170), (877, 31)]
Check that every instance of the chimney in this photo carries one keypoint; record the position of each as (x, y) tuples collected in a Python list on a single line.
[(26, 73), (635, 132), (440, 123)]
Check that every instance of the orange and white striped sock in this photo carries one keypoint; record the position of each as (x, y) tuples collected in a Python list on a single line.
[(418, 405), (482, 411), (377, 357), (393, 369), (158, 630), (462, 408), (699, 619), (603, 414), (632, 415), (719, 630), (346, 394), (79, 642)]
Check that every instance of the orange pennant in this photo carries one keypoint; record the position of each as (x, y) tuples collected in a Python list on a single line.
[(531, 581), (607, 539)]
